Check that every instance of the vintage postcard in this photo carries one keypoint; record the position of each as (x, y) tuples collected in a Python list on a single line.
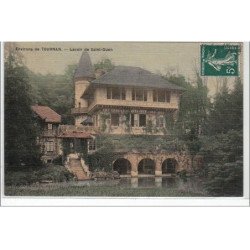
[(125, 123)]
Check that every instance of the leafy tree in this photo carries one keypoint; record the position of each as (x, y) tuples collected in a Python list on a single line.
[(222, 148), (225, 180), (227, 110), (223, 169), (69, 73), (20, 132), (53, 91), (105, 64), (193, 143), (194, 105)]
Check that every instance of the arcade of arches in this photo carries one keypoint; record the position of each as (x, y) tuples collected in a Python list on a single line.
[(137, 164)]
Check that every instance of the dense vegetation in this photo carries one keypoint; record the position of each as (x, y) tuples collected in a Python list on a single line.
[(31, 175), (20, 132), (214, 130)]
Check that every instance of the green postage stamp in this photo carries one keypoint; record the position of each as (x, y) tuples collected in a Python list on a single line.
[(219, 60)]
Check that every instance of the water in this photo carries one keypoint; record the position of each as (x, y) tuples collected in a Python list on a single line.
[(190, 184)]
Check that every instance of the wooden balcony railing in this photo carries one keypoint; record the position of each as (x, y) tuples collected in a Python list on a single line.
[(78, 110)]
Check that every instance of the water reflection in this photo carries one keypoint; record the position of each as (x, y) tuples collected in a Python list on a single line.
[(147, 182), (190, 184), (134, 182), (158, 181)]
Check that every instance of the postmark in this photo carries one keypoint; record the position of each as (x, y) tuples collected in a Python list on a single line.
[(219, 60)]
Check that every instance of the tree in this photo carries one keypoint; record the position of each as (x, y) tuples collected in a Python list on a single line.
[(227, 110), (105, 64), (194, 105), (20, 132)]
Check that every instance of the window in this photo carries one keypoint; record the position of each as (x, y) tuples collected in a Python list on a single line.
[(123, 94), (50, 126), (116, 93), (109, 93), (161, 96), (142, 120), (168, 96), (145, 95), (114, 119), (155, 97), (49, 146), (132, 120), (139, 95), (91, 145)]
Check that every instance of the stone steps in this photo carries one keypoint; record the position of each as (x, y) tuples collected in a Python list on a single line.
[(77, 169)]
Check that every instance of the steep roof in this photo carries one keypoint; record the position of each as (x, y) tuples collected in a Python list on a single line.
[(47, 114), (134, 76), (85, 67)]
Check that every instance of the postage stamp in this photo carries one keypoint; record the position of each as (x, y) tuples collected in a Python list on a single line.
[(123, 119), (219, 60)]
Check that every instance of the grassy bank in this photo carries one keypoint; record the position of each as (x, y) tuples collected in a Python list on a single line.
[(71, 190)]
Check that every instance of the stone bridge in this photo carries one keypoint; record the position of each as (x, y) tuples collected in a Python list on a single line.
[(144, 164)]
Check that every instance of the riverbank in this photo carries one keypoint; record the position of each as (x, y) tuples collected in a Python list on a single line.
[(75, 189)]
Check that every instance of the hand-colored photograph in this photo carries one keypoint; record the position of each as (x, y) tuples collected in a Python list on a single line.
[(123, 119)]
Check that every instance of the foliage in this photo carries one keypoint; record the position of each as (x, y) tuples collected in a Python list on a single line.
[(105, 64), (54, 91), (193, 143), (227, 110), (104, 157), (225, 180), (149, 127), (222, 154), (127, 121), (20, 132), (28, 176), (194, 105), (70, 72), (222, 148)]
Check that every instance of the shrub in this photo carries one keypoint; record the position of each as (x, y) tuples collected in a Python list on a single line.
[(225, 180), (27, 176)]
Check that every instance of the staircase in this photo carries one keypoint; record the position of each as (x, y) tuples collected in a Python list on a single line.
[(76, 168)]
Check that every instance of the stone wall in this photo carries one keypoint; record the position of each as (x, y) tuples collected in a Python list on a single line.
[(182, 158)]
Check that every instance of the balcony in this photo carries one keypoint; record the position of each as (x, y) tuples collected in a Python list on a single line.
[(76, 111), (134, 104)]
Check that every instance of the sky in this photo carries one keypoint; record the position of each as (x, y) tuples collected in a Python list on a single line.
[(153, 56)]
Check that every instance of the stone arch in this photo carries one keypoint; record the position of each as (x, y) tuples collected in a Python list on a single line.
[(169, 166), (146, 166), (122, 166)]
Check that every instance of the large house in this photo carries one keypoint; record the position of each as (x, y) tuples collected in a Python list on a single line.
[(129, 101), (126, 100)]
